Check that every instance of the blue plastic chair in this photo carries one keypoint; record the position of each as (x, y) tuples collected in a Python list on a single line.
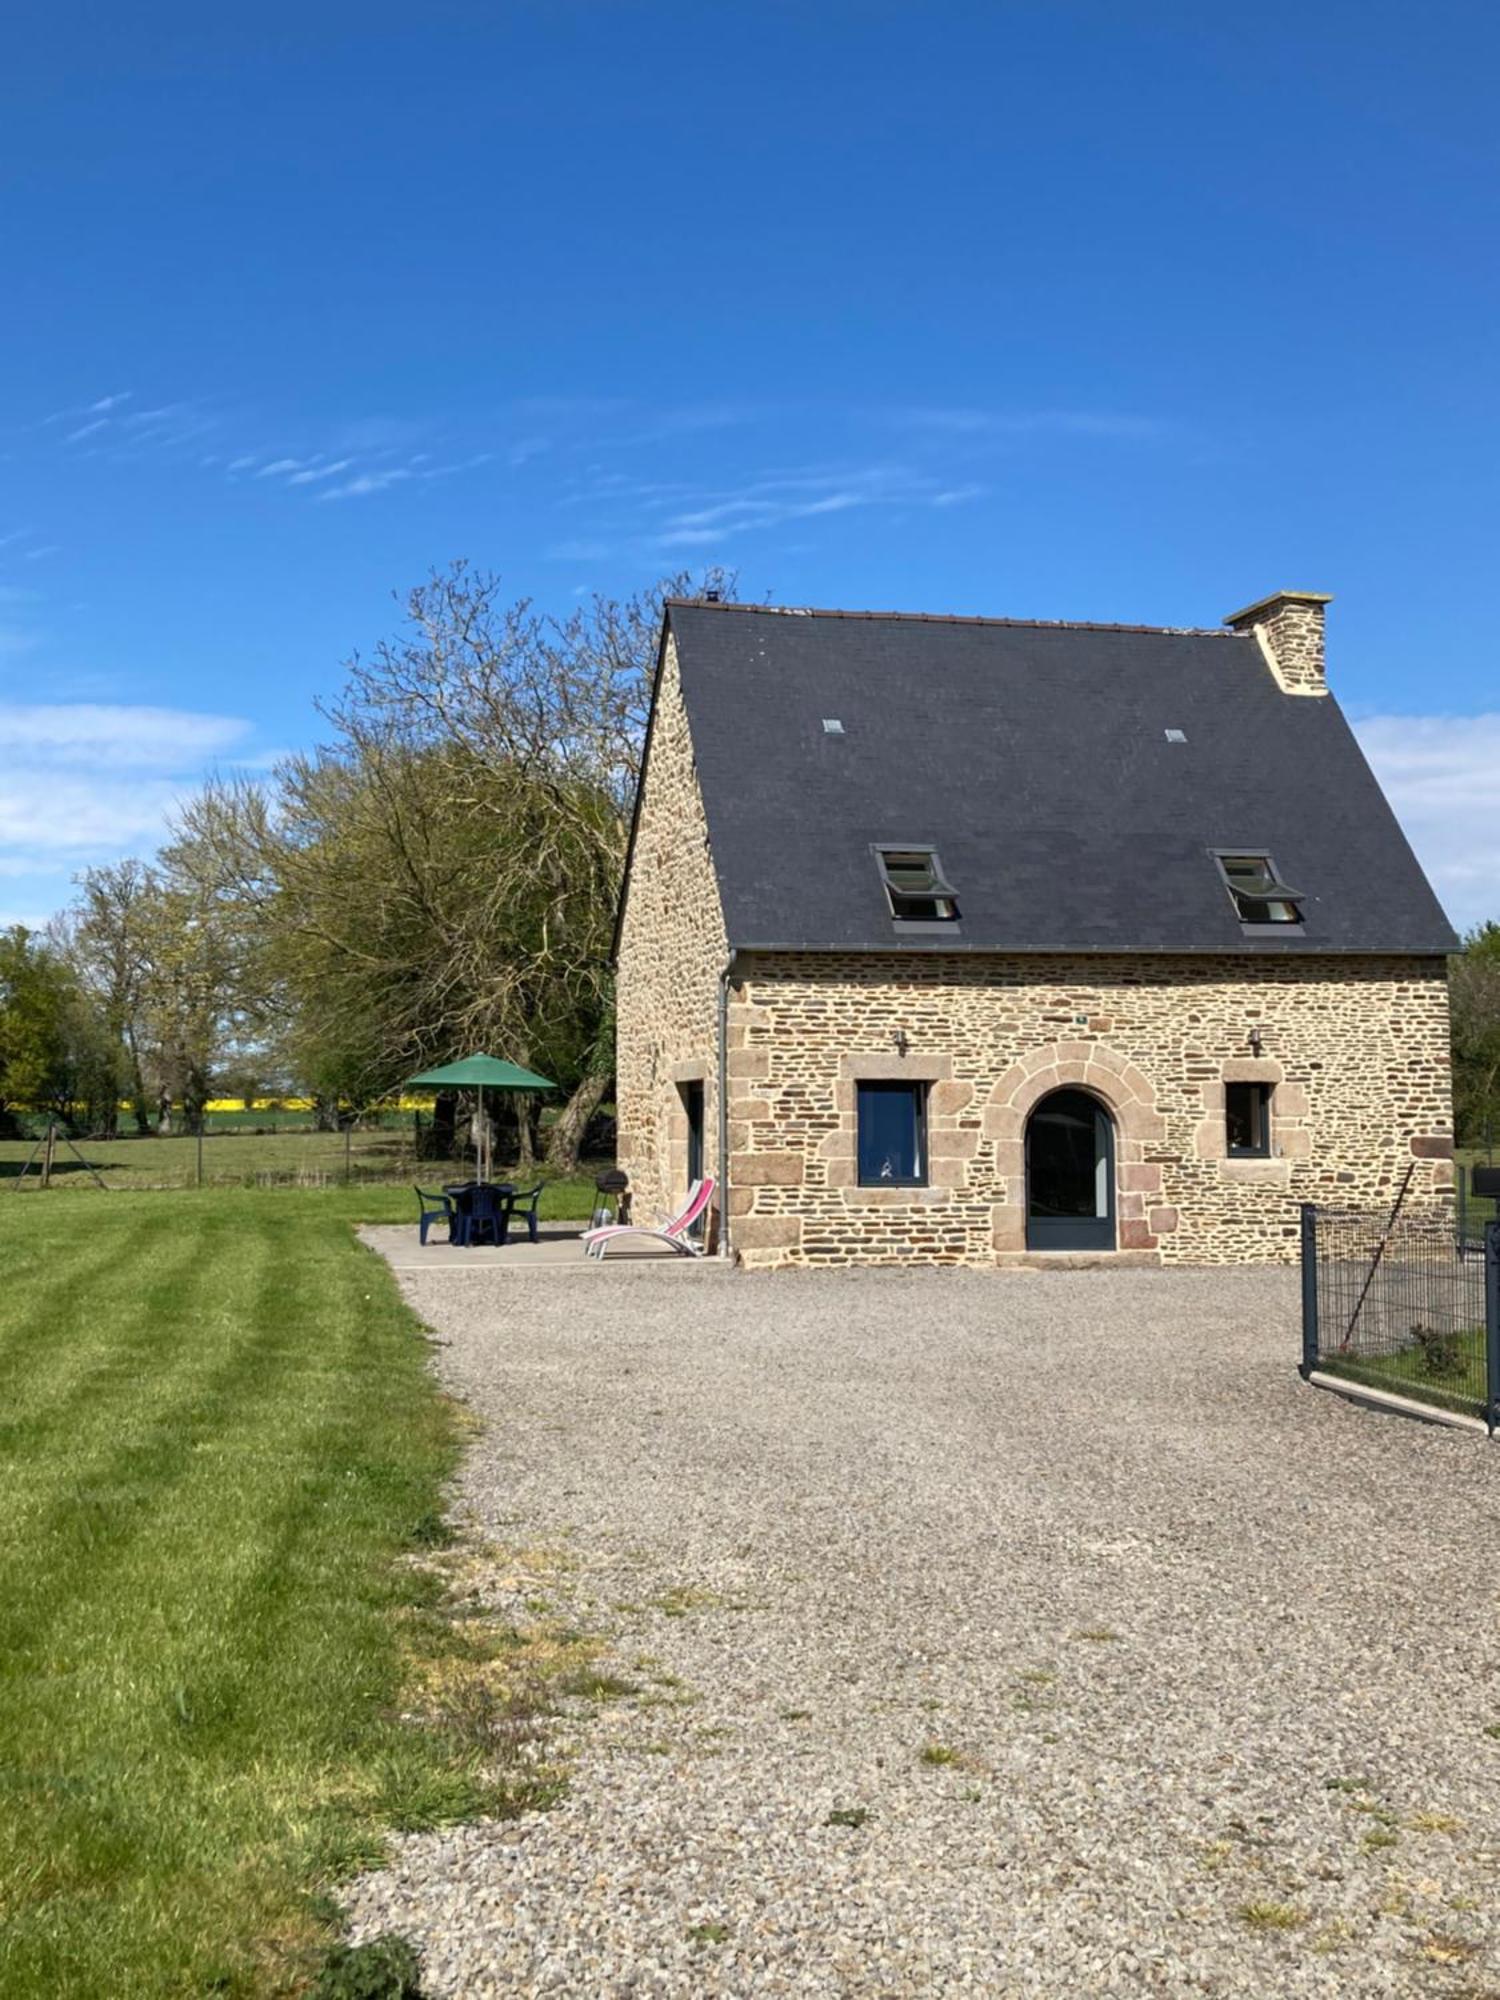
[(524, 1205), (486, 1217), (438, 1208)]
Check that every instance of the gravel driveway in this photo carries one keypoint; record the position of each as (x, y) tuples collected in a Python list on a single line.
[(1012, 1634)]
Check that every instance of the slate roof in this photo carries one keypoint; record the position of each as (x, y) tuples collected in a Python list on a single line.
[(1035, 759)]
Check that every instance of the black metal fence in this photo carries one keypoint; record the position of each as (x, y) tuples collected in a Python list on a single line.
[(1409, 1305), (1478, 1198)]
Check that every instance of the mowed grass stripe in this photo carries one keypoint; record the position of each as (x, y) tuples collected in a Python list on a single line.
[(86, 1506), (200, 1723), (41, 1298), (97, 1357)]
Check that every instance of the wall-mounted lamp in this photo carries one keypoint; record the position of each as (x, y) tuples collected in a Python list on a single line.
[(1255, 1042), (902, 1044)]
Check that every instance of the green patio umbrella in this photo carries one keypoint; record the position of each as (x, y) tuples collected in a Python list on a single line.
[(481, 1073)]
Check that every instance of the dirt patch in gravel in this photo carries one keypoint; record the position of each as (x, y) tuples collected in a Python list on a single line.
[(1010, 1635)]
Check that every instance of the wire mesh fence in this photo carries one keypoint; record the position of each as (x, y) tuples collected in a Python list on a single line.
[(1407, 1304), (381, 1148)]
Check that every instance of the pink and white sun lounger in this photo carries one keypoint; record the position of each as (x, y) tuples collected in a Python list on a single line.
[(672, 1231)]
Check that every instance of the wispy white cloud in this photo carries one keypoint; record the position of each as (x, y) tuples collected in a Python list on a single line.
[(805, 495), (80, 818), (1441, 774), (41, 552), (100, 407), (689, 538), (138, 419), (959, 422), (311, 473), (87, 430), (109, 736), (88, 782), (368, 482), (279, 465)]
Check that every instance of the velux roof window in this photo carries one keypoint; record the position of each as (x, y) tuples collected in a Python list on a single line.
[(914, 883), (1259, 894)]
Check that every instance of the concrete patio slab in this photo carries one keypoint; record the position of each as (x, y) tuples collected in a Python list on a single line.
[(560, 1249)]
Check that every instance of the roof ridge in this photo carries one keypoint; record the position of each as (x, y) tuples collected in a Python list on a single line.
[(955, 618)]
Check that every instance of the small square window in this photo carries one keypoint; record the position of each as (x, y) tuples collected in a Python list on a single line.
[(914, 883), (1258, 893), (892, 1125), (1247, 1120)]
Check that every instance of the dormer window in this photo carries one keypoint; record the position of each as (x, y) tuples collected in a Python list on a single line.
[(914, 883), (1259, 894)]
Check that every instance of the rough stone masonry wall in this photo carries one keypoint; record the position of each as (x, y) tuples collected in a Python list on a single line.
[(672, 951), (1295, 637), (1356, 1049)]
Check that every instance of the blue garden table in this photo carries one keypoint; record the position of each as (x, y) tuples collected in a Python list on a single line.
[(481, 1211)]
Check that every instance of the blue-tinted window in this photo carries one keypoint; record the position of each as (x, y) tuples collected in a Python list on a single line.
[(892, 1134)]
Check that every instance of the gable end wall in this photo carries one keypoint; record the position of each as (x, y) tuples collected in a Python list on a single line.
[(671, 953)]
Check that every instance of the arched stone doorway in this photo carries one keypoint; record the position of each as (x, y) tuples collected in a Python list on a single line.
[(1070, 1173)]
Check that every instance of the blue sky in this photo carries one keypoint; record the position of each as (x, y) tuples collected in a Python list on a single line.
[(1055, 310)]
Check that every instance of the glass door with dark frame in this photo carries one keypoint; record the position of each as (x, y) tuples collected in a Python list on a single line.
[(692, 1104), (1070, 1174)]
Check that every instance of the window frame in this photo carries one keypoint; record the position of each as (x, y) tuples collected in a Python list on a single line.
[(918, 1090), (944, 890), (1258, 926), (1266, 1093)]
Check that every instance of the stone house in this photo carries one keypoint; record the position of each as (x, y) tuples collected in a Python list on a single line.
[(965, 941)]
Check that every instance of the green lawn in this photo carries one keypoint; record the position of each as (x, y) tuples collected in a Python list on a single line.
[(217, 1437), (1452, 1377)]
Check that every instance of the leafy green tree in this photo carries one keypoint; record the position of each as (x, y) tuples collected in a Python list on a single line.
[(1474, 988), (54, 1057), (442, 875), (106, 939), (162, 967)]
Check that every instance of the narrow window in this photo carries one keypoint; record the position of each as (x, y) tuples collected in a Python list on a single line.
[(1258, 893), (892, 1120), (1247, 1120), (914, 882)]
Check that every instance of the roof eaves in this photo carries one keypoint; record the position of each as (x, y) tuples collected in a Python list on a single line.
[(1249, 948)]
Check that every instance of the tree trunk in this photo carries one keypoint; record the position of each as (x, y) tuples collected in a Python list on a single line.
[(565, 1141), (526, 1117)]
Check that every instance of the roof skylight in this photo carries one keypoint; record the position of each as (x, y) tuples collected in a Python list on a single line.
[(1259, 895), (915, 885)]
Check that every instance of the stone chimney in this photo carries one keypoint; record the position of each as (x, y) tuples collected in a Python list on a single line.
[(1289, 626)]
